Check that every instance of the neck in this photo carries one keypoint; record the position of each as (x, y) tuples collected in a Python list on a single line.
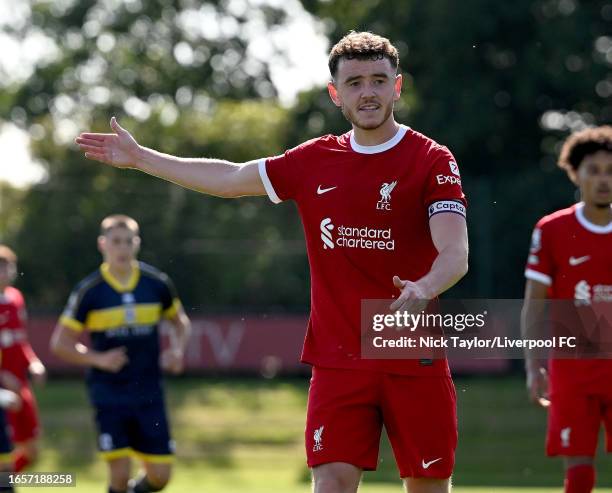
[(375, 136), (601, 216), (120, 272)]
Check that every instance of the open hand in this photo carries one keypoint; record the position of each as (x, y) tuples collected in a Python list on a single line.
[(118, 149)]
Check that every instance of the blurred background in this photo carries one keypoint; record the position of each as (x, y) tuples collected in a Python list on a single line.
[(500, 83)]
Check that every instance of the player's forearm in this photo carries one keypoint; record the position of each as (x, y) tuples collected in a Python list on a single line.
[(72, 352), (182, 332), (29, 353), (448, 268), (210, 176), (531, 323)]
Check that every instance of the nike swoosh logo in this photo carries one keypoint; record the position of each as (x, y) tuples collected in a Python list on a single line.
[(573, 261), (321, 191), (427, 464)]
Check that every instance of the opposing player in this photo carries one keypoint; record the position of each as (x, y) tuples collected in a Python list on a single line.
[(121, 306), (19, 359), (383, 210), (570, 258)]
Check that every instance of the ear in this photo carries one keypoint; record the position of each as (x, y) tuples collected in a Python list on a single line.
[(572, 174), (101, 244), (399, 80), (333, 93), (136, 244)]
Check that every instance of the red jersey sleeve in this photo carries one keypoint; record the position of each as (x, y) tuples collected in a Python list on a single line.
[(282, 175), (443, 192), (539, 263)]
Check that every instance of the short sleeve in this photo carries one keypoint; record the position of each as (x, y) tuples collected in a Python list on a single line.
[(75, 312), (443, 192), (539, 262), (282, 175), (169, 298)]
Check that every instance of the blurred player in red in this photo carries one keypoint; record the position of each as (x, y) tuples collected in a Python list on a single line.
[(571, 258), (9, 402), (20, 360), (384, 217)]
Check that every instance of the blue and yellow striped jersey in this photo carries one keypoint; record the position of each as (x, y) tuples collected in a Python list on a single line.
[(117, 315)]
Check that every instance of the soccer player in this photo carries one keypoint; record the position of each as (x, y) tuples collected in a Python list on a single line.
[(570, 258), (384, 216), (19, 359), (9, 401), (121, 306)]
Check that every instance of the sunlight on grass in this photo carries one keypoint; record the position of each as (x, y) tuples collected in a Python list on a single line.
[(247, 435)]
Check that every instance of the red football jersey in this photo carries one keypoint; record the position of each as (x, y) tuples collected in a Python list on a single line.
[(572, 256), (16, 350), (365, 212)]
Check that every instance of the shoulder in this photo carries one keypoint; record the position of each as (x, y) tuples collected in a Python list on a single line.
[(85, 288), (560, 218), (323, 143), (431, 147), (430, 154), (147, 271), (14, 295), (90, 282)]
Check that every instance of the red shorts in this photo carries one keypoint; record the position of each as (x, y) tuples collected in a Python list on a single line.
[(574, 420), (347, 409), (24, 423)]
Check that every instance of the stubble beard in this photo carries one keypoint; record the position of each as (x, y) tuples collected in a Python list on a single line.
[(354, 119)]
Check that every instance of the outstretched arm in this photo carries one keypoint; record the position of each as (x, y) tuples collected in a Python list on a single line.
[(210, 176)]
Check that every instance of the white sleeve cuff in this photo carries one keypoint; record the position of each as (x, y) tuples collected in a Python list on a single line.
[(534, 275), (261, 166)]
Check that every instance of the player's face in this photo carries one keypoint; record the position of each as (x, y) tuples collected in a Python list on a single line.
[(365, 91), (8, 270), (119, 247), (594, 178)]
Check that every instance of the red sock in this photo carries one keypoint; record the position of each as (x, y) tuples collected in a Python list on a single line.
[(21, 462), (580, 479)]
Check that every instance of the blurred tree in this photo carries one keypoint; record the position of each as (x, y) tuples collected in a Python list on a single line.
[(186, 73), (220, 253), (499, 83), (11, 199)]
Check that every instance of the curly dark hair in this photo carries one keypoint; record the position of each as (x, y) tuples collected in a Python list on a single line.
[(584, 143), (362, 46)]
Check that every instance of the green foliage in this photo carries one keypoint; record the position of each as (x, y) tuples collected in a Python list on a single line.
[(219, 252), (499, 83), (182, 73)]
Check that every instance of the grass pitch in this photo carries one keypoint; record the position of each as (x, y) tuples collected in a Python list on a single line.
[(247, 436)]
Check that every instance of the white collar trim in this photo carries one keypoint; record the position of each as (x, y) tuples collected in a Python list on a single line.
[(385, 146), (588, 225)]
